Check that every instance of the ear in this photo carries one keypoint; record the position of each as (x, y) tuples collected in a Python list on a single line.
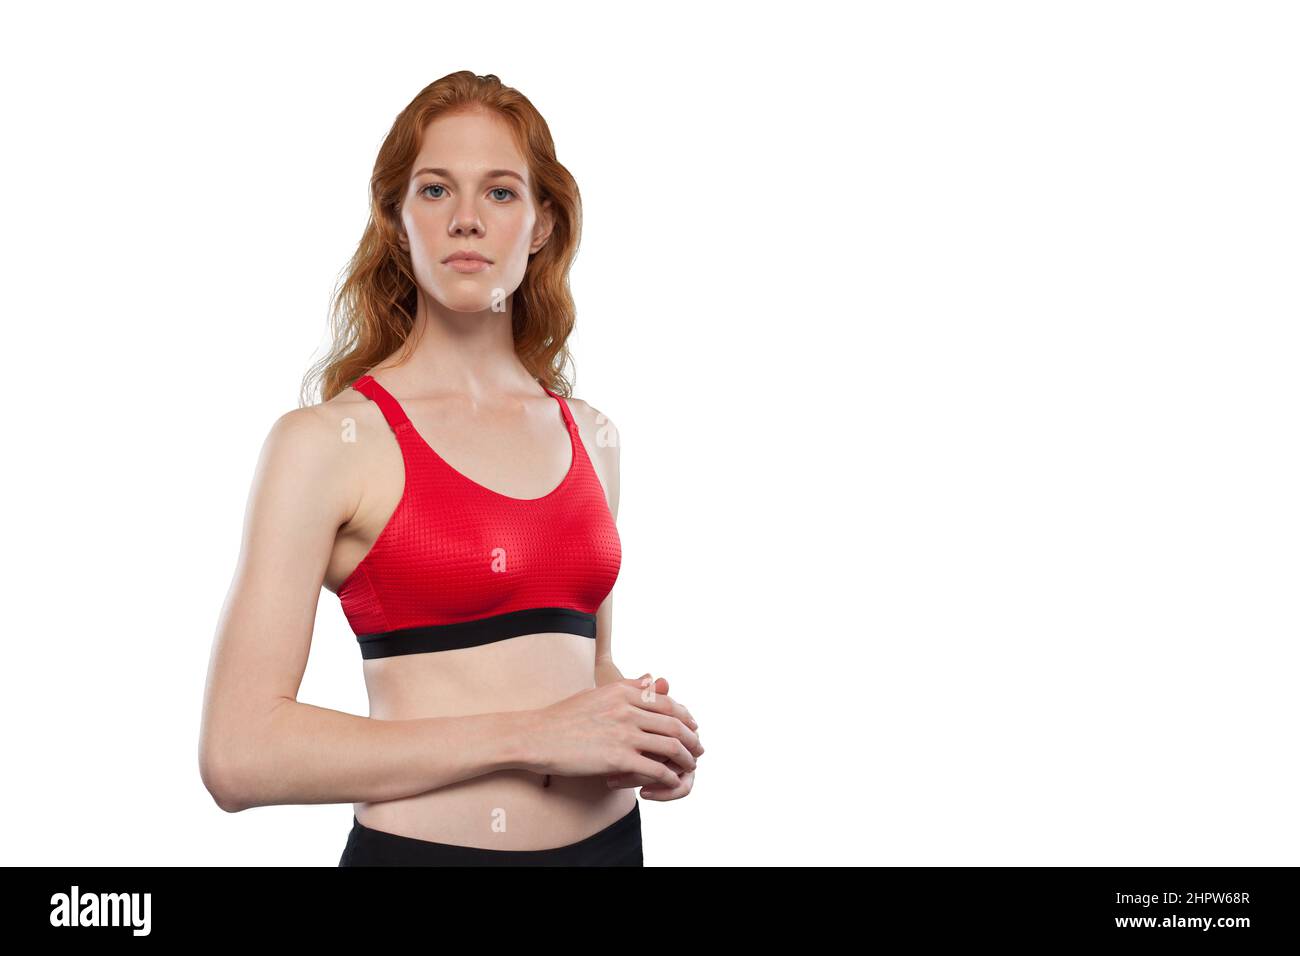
[(401, 230), (542, 229)]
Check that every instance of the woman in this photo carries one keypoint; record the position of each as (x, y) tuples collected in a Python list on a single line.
[(476, 576)]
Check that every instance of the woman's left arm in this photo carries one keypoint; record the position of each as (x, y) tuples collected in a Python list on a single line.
[(605, 457), (607, 452)]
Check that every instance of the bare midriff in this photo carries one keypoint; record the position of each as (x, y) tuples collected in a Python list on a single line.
[(505, 809)]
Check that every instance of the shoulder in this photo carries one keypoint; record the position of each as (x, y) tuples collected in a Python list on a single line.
[(316, 433), (598, 429), (315, 446), (600, 436)]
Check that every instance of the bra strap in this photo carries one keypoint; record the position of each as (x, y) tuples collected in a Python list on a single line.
[(564, 408), (392, 411)]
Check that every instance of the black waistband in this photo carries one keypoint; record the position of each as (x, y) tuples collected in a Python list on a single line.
[(618, 844), (484, 630)]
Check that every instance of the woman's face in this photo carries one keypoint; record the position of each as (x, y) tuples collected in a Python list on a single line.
[(469, 192)]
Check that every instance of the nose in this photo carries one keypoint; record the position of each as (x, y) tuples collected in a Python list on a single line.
[(466, 222)]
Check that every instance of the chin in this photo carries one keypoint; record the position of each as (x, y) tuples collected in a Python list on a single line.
[(458, 300)]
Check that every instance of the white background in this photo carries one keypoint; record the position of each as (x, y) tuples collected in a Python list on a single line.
[(952, 349)]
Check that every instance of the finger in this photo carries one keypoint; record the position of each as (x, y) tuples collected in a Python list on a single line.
[(650, 689), (623, 781), (681, 713), (676, 793), (656, 771), (684, 715), (648, 698), (659, 793), (670, 726), (618, 781), (627, 778), (670, 748)]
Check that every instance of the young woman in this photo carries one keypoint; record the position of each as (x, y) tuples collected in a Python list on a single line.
[(461, 504)]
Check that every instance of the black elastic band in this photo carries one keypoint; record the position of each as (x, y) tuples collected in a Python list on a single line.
[(485, 630)]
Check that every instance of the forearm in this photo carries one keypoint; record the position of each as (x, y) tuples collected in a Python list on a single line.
[(607, 672), (307, 754)]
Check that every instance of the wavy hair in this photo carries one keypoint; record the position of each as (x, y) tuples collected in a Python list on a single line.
[(374, 306)]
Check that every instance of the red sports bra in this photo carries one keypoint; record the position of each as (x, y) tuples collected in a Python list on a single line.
[(458, 565)]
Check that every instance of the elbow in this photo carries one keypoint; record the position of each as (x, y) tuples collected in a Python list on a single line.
[(221, 778), (232, 771)]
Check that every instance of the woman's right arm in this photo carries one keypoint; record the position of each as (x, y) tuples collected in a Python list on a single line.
[(258, 744)]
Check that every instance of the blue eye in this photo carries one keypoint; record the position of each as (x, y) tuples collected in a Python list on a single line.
[(497, 189)]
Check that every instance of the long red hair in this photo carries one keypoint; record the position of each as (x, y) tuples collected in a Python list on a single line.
[(374, 306)]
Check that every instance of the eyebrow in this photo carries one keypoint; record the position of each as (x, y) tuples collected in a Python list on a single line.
[(490, 174)]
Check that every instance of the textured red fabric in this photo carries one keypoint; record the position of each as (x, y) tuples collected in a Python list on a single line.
[(456, 551)]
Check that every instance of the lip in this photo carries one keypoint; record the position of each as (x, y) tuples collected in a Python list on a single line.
[(467, 265), (467, 261)]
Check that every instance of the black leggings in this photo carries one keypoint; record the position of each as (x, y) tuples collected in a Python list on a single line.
[(619, 844)]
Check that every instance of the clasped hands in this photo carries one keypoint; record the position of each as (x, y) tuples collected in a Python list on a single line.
[(652, 789)]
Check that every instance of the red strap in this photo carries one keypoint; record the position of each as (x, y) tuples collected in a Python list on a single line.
[(392, 411), (564, 407)]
